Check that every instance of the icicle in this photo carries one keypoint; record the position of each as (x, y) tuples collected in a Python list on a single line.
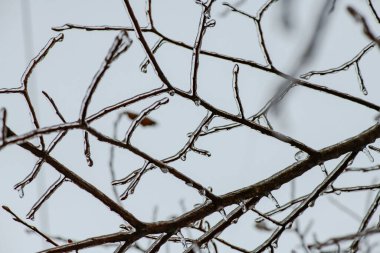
[(360, 78), (144, 66), (126, 228), (201, 151), (368, 154), (21, 192), (223, 213), (210, 23), (206, 226), (306, 76), (182, 239), (243, 207), (323, 168), (274, 244), (271, 197), (196, 249), (164, 169), (202, 192), (146, 62), (289, 225), (269, 125), (87, 150), (376, 149), (330, 187)]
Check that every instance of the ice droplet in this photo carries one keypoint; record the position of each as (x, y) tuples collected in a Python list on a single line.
[(207, 14), (21, 192), (300, 155), (183, 157), (126, 228), (338, 192), (211, 23), (243, 207), (289, 225), (197, 102), (364, 90), (144, 66), (223, 213), (171, 92), (274, 244), (182, 239), (368, 154), (164, 170), (323, 167)]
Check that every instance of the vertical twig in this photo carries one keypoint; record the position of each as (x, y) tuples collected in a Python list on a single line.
[(235, 87), (3, 118), (203, 24)]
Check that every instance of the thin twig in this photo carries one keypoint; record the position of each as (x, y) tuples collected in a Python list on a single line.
[(141, 116), (235, 87), (33, 228), (44, 197)]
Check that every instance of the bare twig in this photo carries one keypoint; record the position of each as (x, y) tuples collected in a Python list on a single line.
[(235, 87), (33, 228), (371, 211), (204, 22), (141, 116), (44, 197), (366, 30), (110, 57), (373, 10)]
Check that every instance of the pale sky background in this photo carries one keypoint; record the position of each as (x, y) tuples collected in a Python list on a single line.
[(239, 158)]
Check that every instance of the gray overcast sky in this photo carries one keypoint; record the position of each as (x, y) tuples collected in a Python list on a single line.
[(239, 158)]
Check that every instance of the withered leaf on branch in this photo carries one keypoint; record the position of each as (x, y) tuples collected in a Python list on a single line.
[(145, 122)]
